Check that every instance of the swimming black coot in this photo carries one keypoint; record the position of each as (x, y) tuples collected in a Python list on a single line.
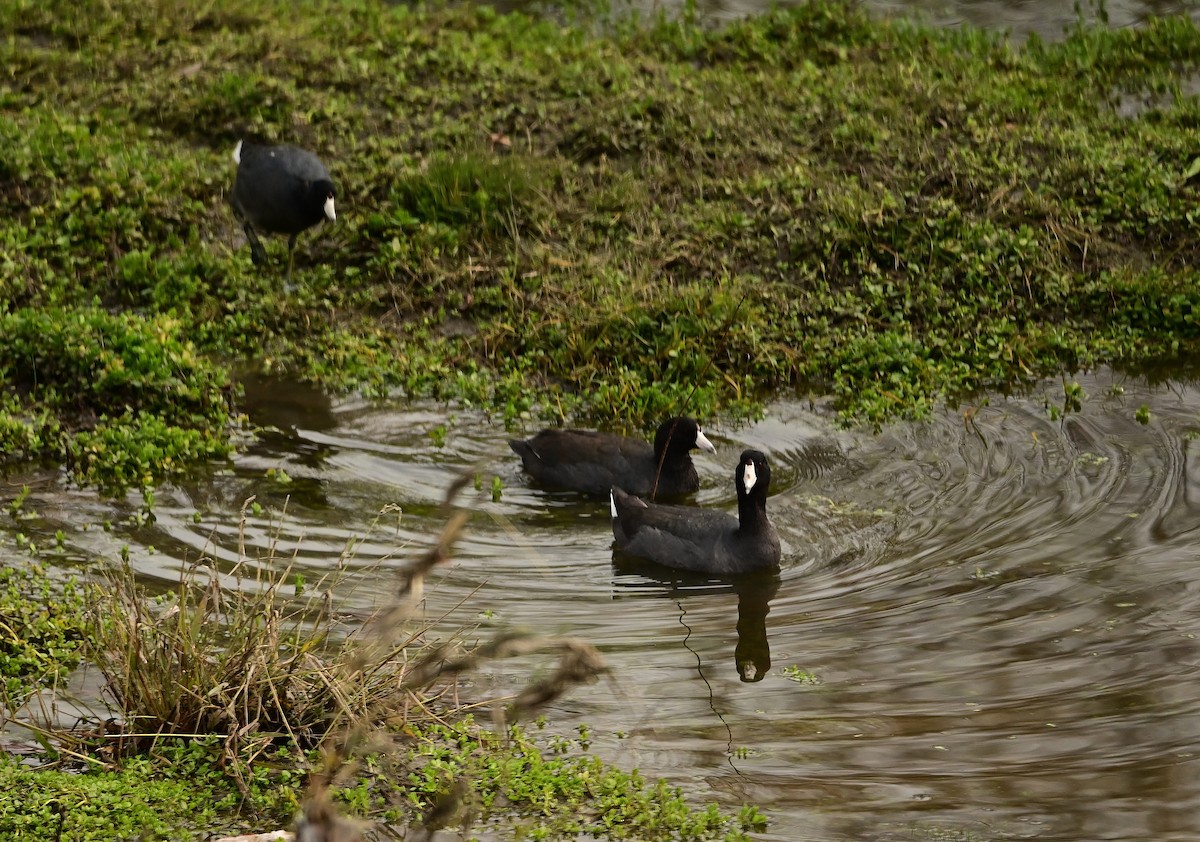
[(582, 460), (280, 190), (703, 540)]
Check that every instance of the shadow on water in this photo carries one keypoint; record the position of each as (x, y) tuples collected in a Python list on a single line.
[(985, 625)]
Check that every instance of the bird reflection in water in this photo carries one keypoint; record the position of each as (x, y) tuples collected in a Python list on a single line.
[(752, 652)]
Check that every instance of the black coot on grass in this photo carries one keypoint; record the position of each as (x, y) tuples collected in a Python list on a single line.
[(703, 540), (582, 460), (279, 190)]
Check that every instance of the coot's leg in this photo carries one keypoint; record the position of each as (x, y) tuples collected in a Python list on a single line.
[(291, 251), (258, 254)]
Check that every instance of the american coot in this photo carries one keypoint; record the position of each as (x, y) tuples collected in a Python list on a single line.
[(581, 460), (279, 190), (703, 540)]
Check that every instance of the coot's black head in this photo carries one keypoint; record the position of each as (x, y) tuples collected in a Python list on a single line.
[(679, 435), (318, 200), (753, 475)]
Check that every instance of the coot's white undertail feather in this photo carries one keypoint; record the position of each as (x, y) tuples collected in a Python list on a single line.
[(703, 540), (590, 462), (280, 190)]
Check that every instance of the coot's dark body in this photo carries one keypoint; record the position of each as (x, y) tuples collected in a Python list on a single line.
[(591, 462), (703, 540)]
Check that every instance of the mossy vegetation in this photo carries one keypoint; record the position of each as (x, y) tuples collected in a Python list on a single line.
[(121, 399), (539, 218)]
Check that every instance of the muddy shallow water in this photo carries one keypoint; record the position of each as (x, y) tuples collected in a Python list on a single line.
[(980, 630), (1048, 19)]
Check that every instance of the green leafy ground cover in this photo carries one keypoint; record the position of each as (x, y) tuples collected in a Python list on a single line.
[(129, 805), (539, 218), (517, 784), (41, 629)]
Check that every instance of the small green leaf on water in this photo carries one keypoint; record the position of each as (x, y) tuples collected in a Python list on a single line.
[(800, 676), (437, 435), (278, 476)]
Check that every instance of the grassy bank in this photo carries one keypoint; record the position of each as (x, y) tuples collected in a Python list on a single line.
[(538, 219)]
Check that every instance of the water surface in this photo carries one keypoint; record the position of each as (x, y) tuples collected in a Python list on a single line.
[(1048, 19), (984, 625)]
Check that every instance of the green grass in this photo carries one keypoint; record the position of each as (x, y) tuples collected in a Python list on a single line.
[(539, 219)]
